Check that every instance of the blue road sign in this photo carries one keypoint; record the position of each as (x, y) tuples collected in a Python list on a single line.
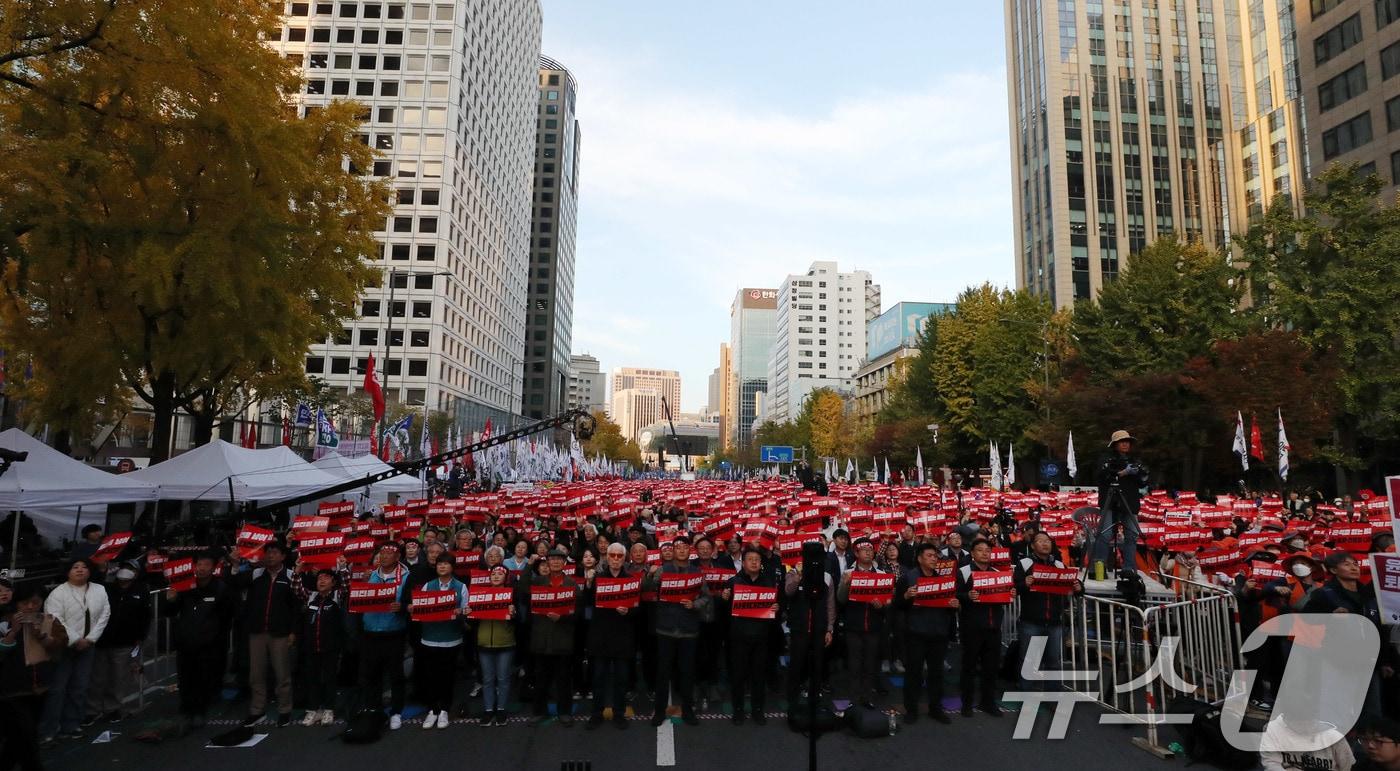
[(775, 454)]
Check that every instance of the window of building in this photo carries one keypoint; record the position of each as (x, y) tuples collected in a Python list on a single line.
[(317, 61), (389, 88), (315, 86), (391, 63), (422, 310), (428, 197), (1386, 12), (368, 61), (393, 367), (417, 338), (417, 396), (399, 251), (300, 9), (340, 87), (296, 34), (1395, 168), (369, 37), (340, 365), (1390, 61), (315, 365), (297, 60), (372, 10), (321, 35), (553, 80), (1337, 39), (369, 337), (382, 168), (345, 36), (384, 115), (1347, 136), (427, 252), (427, 224), (405, 196), (1392, 114), (392, 37), (395, 12), (1320, 7), (552, 95), (348, 10), (423, 280), (342, 337), (1342, 87)]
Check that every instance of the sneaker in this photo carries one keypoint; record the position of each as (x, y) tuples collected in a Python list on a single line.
[(476, 690), (500, 719), (884, 667), (898, 667), (442, 720), (395, 722), (284, 719), (310, 717), (70, 735), (89, 720), (327, 717), (430, 720), (48, 741), (251, 720)]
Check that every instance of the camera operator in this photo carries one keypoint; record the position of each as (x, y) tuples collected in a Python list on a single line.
[(1121, 476)]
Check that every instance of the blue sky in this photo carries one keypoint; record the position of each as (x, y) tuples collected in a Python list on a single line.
[(728, 144)]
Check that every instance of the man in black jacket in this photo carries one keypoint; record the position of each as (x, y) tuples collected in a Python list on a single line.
[(202, 619), (864, 628), (1121, 477), (119, 649), (748, 640), (612, 644), (925, 638), (979, 625), (271, 615), (1042, 612)]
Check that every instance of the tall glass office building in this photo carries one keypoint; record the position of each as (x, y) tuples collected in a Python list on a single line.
[(1139, 119), (752, 327)]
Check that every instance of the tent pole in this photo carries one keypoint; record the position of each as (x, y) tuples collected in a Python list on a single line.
[(14, 540), (76, 521)]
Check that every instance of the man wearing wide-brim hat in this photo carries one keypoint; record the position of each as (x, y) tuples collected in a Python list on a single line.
[(1121, 477)]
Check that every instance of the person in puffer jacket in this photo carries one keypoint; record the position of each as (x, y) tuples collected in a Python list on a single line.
[(1042, 613), (495, 650), (979, 625), (324, 629), (865, 627)]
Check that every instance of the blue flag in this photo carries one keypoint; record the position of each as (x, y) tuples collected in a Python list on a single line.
[(325, 432), (303, 415)]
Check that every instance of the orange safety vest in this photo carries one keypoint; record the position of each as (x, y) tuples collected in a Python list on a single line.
[(1273, 607)]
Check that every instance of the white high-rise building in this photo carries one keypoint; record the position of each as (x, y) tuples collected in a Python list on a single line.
[(588, 384), (665, 382), (820, 335), (451, 96), (633, 409)]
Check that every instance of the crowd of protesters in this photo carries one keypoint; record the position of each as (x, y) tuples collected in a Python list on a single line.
[(284, 627)]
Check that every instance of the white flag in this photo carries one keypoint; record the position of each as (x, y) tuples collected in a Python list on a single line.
[(1011, 464), (887, 469), (1283, 449), (850, 471), (994, 462), (1241, 445), (919, 462), (1070, 462)]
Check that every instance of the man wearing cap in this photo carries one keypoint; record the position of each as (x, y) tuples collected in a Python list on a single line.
[(552, 642), (864, 626), (1121, 477), (119, 648), (677, 628)]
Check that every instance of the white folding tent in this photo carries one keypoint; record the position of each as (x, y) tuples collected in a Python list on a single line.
[(357, 468), (52, 488), (220, 471)]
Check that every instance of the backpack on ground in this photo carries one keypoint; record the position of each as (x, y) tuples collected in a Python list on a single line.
[(365, 727), (867, 723), (1204, 740)]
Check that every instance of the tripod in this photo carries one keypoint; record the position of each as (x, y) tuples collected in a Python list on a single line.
[(1116, 503)]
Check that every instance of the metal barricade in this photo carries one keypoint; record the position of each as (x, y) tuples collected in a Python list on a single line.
[(157, 652), (1137, 660)]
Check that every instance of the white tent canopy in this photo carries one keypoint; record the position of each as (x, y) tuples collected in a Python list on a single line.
[(358, 468), (50, 479), (219, 471)]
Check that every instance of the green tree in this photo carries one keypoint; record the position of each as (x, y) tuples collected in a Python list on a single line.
[(607, 439), (168, 226), (1331, 277)]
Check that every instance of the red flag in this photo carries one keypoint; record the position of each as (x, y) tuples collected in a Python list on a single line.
[(1256, 442), (250, 435), (376, 393), (286, 431), (374, 439)]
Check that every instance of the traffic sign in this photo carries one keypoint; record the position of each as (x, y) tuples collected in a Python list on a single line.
[(775, 454)]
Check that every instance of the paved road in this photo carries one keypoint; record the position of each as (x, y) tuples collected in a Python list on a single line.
[(980, 742)]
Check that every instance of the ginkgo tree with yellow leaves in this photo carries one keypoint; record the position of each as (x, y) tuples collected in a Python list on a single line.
[(170, 227)]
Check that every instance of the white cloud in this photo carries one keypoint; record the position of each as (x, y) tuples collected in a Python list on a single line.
[(686, 196)]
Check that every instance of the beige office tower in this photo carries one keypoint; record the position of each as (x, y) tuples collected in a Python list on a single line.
[(1131, 121), (1349, 57), (665, 382)]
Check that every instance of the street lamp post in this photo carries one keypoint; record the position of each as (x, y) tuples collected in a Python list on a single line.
[(389, 324)]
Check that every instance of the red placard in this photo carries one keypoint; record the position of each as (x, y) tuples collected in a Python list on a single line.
[(716, 578), (373, 598), (155, 563), (302, 525), (251, 540), (790, 546), (935, 592), (490, 603), (945, 567), (1184, 538), (320, 549), (179, 574), (359, 549), (1352, 538), (1263, 571), (929, 523), (754, 602), (478, 577), (993, 587), (466, 562), (679, 587), (553, 599), (111, 546), (718, 527), (1052, 580), (1001, 558), (869, 586), (1251, 541), (437, 605), (624, 592)]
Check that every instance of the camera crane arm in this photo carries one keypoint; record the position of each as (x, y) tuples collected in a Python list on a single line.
[(583, 425)]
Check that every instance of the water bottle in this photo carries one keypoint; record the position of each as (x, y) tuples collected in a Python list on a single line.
[(1098, 570), (894, 724)]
